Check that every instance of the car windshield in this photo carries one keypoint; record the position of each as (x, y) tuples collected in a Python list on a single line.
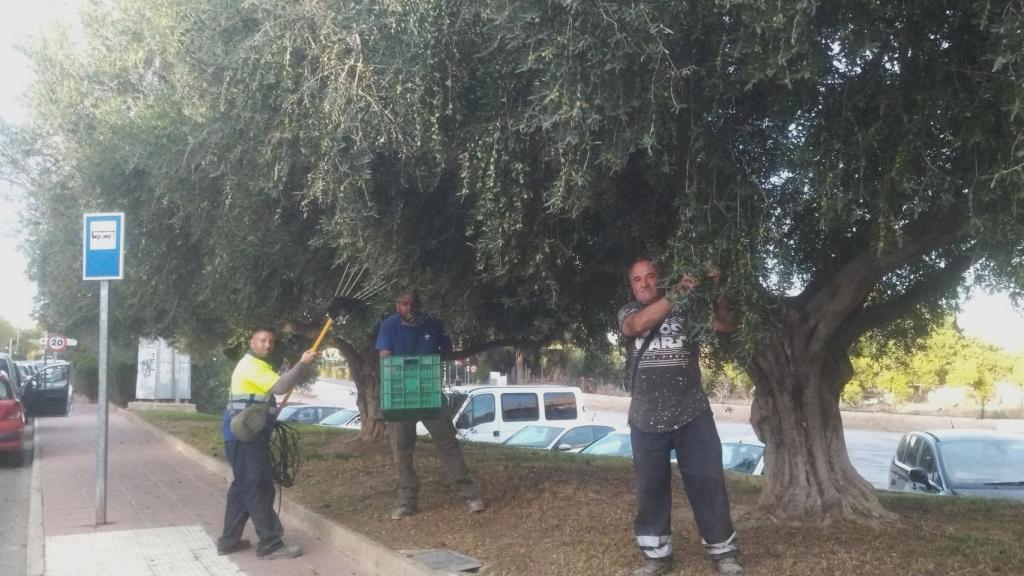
[(53, 376), (615, 444), (286, 412), (742, 458), (456, 400), (5, 393), (983, 460), (534, 436), (338, 418)]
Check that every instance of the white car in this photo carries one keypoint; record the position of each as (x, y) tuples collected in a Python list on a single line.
[(744, 456), (558, 438), (613, 444), (343, 418), (305, 413), (493, 413)]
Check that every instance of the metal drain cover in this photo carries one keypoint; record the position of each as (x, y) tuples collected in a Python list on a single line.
[(444, 560)]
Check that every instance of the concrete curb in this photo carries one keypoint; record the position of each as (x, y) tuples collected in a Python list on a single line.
[(35, 554), (371, 555)]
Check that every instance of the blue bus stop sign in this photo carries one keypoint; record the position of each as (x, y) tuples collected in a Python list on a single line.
[(103, 246)]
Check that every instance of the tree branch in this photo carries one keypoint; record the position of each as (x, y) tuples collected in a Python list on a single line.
[(839, 297), (931, 285), (311, 331), (485, 346)]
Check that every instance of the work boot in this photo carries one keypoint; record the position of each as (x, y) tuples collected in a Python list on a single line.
[(236, 547), (476, 505), (728, 566), (403, 511), (280, 552), (655, 567)]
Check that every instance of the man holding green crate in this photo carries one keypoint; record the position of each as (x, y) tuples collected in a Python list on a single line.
[(409, 332)]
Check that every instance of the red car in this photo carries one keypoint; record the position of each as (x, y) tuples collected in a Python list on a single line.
[(12, 422)]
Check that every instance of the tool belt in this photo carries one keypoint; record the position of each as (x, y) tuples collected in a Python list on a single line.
[(249, 416)]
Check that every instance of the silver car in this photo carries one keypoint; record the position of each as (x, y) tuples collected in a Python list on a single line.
[(982, 463), (558, 438)]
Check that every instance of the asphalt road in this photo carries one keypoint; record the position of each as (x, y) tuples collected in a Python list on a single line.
[(15, 484)]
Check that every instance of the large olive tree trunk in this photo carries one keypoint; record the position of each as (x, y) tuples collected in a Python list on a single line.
[(364, 367), (796, 414)]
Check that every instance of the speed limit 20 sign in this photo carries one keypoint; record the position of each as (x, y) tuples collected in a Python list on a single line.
[(56, 342)]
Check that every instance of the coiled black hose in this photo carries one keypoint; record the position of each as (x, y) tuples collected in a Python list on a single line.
[(284, 455)]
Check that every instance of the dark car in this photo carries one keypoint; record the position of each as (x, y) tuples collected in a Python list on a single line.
[(49, 391), (982, 463), (10, 367), (26, 369)]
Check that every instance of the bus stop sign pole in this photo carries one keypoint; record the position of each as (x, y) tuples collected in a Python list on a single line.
[(103, 260)]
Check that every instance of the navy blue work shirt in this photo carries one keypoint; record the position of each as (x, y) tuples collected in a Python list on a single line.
[(429, 337)]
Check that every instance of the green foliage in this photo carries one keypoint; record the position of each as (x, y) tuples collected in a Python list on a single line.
[(600, 364), (510, 159), (945, 358), (121, 372), (849, 166)]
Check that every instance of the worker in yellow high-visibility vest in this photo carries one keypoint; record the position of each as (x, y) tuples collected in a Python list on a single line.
[(251, 495)]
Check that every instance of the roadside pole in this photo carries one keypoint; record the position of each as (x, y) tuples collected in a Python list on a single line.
[(104, 414), (103, 260)]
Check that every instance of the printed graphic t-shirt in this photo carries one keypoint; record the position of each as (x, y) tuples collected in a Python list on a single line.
[(667, 392)]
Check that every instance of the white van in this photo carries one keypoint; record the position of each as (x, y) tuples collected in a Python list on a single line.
[(493, 413)]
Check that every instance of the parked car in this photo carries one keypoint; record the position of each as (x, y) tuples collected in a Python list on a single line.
[(743, 456), (558, 438), (49, 391), (613, 444), (26, 369), (343, 418), (493, 413), (12, 422), (10, 367), (982, 463), (305, 413)]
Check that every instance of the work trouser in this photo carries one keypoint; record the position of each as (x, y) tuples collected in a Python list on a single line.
[(699, 455), (402, 437), (251, 494)]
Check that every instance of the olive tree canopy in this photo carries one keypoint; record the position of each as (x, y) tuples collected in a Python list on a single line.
[(849, 166)]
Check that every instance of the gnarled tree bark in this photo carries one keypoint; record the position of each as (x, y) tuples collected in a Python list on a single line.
[(364, 367), (796, 414)]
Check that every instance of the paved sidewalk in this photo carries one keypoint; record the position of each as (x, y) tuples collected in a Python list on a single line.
[(164, 512)]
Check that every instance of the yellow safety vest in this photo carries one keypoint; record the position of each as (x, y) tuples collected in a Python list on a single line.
[(253, 376)]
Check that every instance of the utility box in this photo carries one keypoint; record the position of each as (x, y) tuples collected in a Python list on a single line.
[(163, 372), (410, 387)]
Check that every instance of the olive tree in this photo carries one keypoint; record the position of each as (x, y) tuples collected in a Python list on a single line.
[(845, 165)]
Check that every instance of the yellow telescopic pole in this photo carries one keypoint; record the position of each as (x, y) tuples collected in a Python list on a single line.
[(316, 346)]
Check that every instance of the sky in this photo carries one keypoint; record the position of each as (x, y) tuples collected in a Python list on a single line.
[(990, 317), (18, 18)]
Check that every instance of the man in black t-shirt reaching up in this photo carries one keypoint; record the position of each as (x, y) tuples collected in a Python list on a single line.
[(669, 410)]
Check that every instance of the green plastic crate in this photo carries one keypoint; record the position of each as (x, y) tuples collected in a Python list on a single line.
[(410, 387)]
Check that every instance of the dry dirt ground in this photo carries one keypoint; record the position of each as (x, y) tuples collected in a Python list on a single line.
[(566, 515)]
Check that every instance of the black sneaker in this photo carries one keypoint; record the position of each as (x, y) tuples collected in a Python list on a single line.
[(280, 552), (238, 546), (655, 567), (402, 511), (728, 567)]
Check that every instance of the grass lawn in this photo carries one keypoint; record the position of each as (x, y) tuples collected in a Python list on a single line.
[(567, 515)]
